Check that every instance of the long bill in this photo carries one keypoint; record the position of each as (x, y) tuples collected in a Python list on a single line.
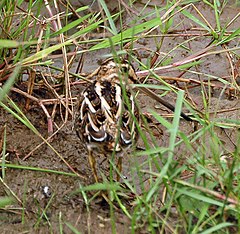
[(162, 101)]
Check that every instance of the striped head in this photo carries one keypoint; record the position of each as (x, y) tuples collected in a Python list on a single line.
[(114, 72)]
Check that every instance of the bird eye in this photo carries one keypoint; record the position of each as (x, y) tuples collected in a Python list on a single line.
[(104, 68)]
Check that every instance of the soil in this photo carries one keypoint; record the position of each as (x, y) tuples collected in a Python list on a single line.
[(66, 209)]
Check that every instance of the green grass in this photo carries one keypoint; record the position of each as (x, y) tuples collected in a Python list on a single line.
[(190, 184)]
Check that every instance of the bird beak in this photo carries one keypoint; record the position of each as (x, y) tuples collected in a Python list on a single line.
[(151, 94)]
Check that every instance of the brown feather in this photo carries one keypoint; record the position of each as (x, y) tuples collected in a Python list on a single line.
[(103, 120)]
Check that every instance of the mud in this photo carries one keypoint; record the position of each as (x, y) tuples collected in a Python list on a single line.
[(63, 208)]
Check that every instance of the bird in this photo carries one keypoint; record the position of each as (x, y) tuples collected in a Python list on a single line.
[(106, 112), (107, 115)]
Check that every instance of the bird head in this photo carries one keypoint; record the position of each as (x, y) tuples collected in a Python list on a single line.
[(117, 72)]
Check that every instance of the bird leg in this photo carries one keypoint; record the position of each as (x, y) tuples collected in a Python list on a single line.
[(92, 163), (119, 167)]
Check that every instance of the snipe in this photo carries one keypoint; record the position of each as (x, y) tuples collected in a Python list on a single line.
[(104, 121), (107, 114)]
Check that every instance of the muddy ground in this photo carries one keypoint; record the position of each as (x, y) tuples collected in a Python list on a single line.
[(71, 209)]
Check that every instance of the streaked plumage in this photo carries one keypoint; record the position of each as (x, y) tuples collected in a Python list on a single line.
[(103, 120)]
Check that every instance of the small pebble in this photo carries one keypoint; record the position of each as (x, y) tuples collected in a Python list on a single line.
[(46, 191)]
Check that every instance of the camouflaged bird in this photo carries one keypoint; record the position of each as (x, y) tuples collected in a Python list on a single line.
[(107, 114), (104, 122)]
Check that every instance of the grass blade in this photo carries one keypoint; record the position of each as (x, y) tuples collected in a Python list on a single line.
[(109, 17), (216, 228), (8, 85)]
